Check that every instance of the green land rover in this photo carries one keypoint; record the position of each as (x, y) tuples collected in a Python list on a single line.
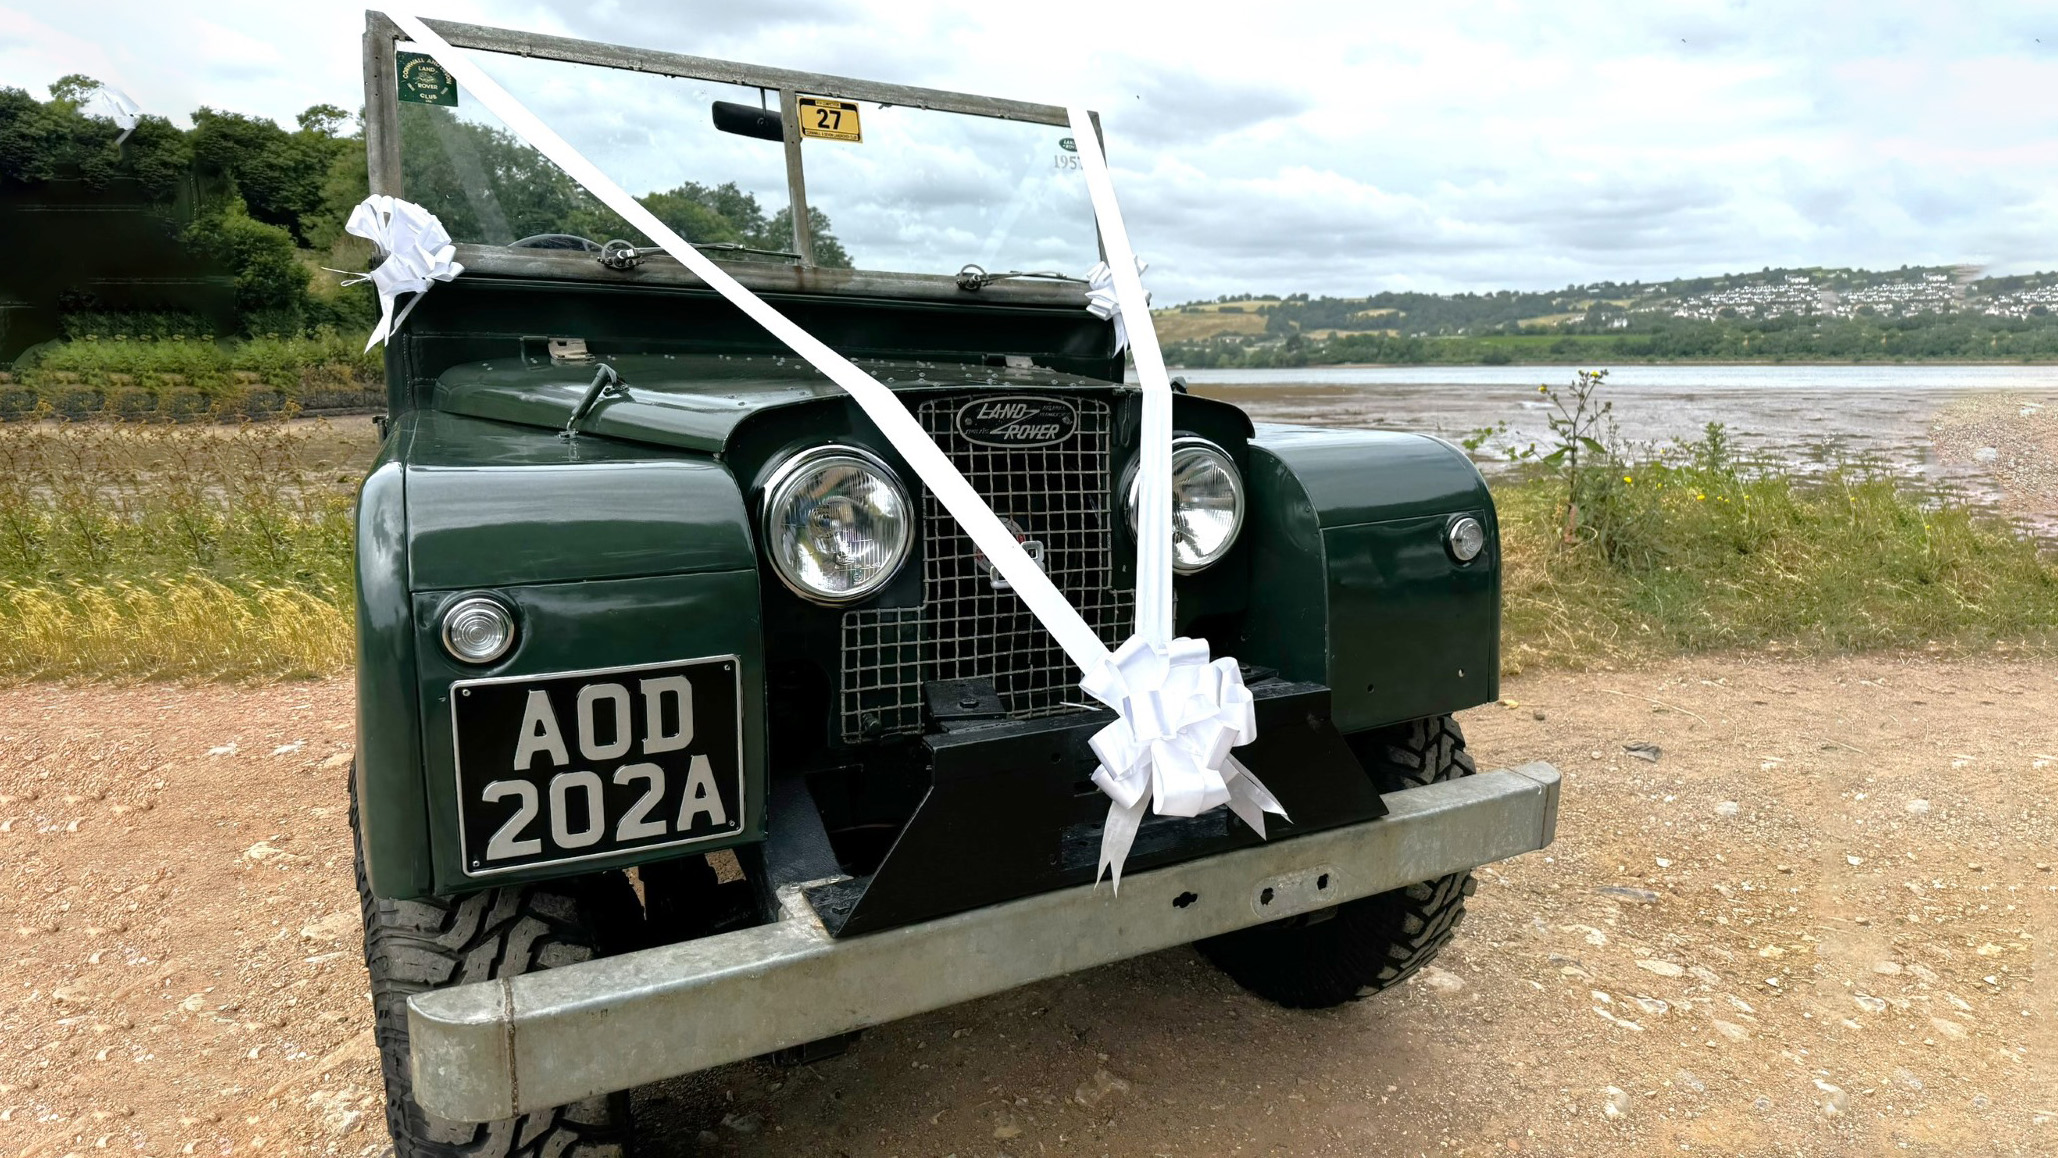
[(692, 729)]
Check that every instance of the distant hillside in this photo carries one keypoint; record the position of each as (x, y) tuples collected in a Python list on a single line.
[(1931, 312)]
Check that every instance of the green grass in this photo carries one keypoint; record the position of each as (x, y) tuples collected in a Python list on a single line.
[(1672, 558), (155, 551)]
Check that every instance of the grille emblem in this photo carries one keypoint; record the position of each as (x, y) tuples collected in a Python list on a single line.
[(1017, 420)]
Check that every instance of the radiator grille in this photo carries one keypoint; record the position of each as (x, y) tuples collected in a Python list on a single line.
[(964, 629)]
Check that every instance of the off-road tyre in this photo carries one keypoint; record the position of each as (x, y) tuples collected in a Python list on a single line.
[(1326, 958), (433, 942)]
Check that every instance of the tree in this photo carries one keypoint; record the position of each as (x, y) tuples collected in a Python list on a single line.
[(279, 174)]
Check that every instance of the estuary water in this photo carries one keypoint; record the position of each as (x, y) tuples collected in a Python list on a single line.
[(1930, 423)]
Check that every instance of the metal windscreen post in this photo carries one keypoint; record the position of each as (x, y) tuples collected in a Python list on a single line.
[(796, 181), (381, 111)]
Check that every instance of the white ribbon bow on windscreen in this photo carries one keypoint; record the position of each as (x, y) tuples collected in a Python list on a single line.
[(1178, 714), (1103, 302), (418, 252)]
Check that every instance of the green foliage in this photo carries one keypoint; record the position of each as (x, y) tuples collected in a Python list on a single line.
[(255, 503), (1698, 559), (280, 175), (485, 185), (271, 283)]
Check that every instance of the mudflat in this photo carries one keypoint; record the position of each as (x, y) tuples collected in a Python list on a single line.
[(1817, 923)]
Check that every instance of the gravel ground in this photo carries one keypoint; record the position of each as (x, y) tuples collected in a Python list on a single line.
[(1813, 926)]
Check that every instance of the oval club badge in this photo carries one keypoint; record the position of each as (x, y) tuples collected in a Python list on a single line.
[(1017, 420)]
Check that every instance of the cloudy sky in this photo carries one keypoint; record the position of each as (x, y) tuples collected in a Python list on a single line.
[(1342, 147)]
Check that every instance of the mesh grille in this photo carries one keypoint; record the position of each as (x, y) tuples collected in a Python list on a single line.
[(965, 629)]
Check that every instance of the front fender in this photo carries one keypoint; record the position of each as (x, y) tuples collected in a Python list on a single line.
[(1351, 583), (610, 555)]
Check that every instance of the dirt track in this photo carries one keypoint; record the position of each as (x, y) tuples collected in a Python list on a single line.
[(1814, 926)]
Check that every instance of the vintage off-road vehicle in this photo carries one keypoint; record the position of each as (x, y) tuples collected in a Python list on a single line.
[(691, 729)]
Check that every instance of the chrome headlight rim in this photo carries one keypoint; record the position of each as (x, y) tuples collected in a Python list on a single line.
[(473, 605), (1464, 537), (777, 490), (1190, 444)]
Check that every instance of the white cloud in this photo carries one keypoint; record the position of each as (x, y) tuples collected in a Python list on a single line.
[(1338, 146)]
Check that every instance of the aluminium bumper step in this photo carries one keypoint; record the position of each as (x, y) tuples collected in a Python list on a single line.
[(499, 1048)]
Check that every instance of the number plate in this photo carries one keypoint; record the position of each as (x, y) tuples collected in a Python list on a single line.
[(830, 120), (580, 765)]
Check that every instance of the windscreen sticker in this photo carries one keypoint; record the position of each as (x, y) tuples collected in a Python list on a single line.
[(830, 120), (423, 81)]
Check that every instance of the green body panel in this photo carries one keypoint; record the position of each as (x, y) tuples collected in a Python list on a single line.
[(612, 554), (393, 814), (493, 505), (568, 627), (694, 402), (631, 543), (1360, 594)]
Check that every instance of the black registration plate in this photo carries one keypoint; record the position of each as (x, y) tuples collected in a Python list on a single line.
[(581, 765)]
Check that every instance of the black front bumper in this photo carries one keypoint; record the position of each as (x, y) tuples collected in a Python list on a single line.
[(1008, 811)]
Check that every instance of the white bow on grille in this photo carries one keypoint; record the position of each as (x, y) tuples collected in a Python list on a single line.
[(1102, 302), (1179, 717), (418, 253)]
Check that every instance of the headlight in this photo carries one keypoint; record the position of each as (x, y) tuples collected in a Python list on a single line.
[(1207, 504), (836, 523), (477, 630)]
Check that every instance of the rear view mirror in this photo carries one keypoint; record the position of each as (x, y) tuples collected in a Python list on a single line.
[(745, 121)]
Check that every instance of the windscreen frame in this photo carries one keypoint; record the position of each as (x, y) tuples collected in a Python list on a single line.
[(382, 114)]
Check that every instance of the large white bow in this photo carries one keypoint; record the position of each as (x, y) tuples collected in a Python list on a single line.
[(418, 253), (1179, 717), (1103, 302)]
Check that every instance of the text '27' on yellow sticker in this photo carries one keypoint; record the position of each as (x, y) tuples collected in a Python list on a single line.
[(830, 120)]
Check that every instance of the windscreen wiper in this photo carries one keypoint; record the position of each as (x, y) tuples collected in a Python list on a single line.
[(972, 278), (619, 254)]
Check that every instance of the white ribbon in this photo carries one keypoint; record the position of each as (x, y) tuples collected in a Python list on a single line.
[(1173, 718), (1179, 714), (418, 253), (1102, 301), (115, 105)]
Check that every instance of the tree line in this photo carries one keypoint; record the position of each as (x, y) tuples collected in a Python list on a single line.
[(267, 205)]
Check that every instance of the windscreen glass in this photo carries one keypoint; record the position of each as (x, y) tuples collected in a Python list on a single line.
[(653, 135), (930, 192), (889, 188)]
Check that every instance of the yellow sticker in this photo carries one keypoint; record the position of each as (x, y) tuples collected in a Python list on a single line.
[(830, 120)]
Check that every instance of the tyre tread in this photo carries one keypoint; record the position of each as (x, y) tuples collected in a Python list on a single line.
[(415, 945), (1375, 942)]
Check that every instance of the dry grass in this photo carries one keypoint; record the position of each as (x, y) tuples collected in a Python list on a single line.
[(165, 552), (176, 552), (186, 627), (1175, 326)]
